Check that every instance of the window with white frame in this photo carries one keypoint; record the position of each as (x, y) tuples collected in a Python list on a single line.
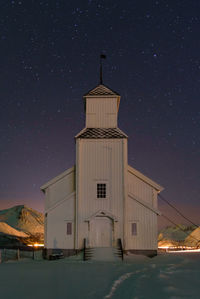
[(101, 190), (134, 229)]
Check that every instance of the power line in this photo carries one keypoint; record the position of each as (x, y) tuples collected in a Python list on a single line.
[(165, 200), (172, 206)]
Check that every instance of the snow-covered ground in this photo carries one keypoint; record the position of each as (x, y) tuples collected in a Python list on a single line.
[(165, 276)]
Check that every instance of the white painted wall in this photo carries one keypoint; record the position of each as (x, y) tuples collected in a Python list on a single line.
[(57, 218), (145, 218), (99, 160), (60, 188), (60, 209), (101, 112), (140, 189)]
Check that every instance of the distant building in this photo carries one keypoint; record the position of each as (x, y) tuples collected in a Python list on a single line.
[(102, 199)]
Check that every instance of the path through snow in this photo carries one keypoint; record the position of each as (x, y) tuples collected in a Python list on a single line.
[(166, 276)]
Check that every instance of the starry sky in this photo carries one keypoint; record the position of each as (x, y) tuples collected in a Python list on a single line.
[(49, 58)]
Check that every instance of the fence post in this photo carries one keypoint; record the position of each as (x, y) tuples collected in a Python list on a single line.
[(4, 251), (18, 254)]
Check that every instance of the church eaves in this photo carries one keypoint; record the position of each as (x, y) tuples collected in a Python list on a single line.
[(101, 90), (101, 133)]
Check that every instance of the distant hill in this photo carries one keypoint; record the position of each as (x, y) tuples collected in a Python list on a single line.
[(8, 230), (173, 235), (194, 238), (21, 223), (24, 219)]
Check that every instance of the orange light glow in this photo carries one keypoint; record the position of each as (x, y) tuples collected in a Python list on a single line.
[(179, 248), (36, 245)]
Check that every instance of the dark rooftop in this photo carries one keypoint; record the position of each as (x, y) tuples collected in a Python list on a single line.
[(101, 90), (101, 133)]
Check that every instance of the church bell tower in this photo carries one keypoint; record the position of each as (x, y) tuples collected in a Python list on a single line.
[(101, 167)]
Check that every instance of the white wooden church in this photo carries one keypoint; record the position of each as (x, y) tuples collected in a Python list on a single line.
[(101, 199)]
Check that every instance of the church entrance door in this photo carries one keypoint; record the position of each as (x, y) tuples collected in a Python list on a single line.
[(101, 232)]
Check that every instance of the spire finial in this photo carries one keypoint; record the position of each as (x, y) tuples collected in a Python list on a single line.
[(102, 56)]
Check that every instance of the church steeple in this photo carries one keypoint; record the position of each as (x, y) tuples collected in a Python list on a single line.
[(102, 104), (102, 56), (101, 90)]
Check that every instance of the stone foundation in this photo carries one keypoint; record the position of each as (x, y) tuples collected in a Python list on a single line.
[(47, 252)]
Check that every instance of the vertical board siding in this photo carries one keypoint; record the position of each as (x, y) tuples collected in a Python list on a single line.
[(101, 112), (56, 230), (100, 161), (45, 230), (46, 200), (155, 199), (139, 188), (146, 220), (60, 189)]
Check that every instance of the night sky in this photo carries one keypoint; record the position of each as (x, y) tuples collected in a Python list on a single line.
[(49, 58)]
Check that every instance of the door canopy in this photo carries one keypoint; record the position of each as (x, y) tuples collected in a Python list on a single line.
[(102, 213)]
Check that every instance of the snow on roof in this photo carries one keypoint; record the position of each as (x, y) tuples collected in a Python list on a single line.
[(145, 178), (101, 90), (101, 133)]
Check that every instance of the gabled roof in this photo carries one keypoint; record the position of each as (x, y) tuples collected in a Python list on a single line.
[(144, 178), (101, 90), (57, 178), (69, 196), (101, 133)]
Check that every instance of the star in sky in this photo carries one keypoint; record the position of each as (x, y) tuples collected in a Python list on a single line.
[(50, 58)]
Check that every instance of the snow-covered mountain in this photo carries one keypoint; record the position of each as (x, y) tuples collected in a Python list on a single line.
[(174, 235), (21, 223), (194, 238), (23, 219), (8, 230)]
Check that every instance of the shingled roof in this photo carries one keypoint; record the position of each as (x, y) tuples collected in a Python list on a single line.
[(101, 133), (101, 90)]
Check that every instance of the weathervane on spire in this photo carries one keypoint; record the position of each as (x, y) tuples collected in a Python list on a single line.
[(102, 56)]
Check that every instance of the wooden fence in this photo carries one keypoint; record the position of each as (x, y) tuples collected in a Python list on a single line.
[(16, 254)]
